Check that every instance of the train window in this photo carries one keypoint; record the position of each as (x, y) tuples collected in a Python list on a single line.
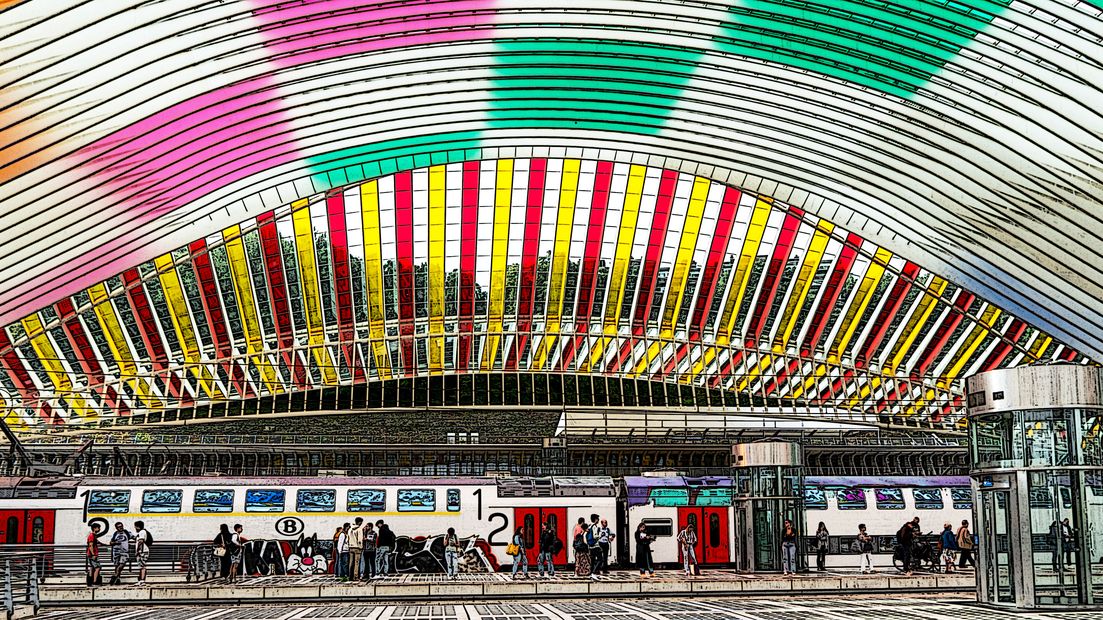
[(38, 530), (814, 499), (927, 499), (962, 498), (213, 500), (108, 502), (161, 500), (714, 496), (12, 534), (1066, 496), (851, 499), (264, 500), (367, 500), (316, 500), (452, 500), (889, 499), (659, 527), (529, 523), (669, 497), (417, 500), (714, 530)]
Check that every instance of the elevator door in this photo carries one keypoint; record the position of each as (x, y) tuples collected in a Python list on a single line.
[(995, 544)]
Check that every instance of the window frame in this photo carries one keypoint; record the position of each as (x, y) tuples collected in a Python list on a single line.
[(206, 510), (283, 500), (93, 509), (179, 501), (360, 507), (431, 507), (332, 506)]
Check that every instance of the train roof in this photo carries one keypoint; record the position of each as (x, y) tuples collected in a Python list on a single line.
[(887, 481), (676, 481), (559, 481)]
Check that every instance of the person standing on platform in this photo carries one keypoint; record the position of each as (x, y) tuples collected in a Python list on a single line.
[(865, 549), (579, 528), (370, 540), (605, 538), (92, 555), (905, 537), (949, 546), (965, 543), (343, 552), (1068, 538), (356, 548), (386, 542), (687, 540), (822, 537), (581, 551), (788, 548), (238, 554), (451, 553), (223, 549), (520, 557), (643, 550), (592, 533), (120, 552), (142, 541), (548, 543)]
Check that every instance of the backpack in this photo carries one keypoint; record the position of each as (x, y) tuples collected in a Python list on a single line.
[(149, 539), (902, 535), (556, 546), (590, 540), (579, 544)]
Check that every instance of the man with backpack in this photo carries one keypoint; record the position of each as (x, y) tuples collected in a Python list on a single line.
[(142, 542), (594, 549), (549, 546)]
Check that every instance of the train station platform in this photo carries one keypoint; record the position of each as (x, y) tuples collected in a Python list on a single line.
[(499, 586)]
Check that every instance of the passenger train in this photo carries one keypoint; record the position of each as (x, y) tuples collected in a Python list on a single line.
[(288, 517)]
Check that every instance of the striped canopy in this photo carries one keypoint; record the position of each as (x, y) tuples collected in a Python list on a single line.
[(819, 209)]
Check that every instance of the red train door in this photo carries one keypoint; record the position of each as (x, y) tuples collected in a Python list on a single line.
[(715, 535), (713, 539), (11, 526), (533, 520), (38, 527)]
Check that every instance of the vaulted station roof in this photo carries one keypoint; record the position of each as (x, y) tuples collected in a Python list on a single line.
[(838, 208)]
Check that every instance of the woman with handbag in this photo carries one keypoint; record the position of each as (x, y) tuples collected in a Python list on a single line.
[(517, 550), (581, 552), (224, 550)]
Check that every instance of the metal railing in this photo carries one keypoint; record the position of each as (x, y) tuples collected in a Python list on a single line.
[(58, 561), (203, 564), (20, 584)]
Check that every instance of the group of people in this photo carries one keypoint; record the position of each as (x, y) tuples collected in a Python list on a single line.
[(950, 542), (119, 543), (363, 550)]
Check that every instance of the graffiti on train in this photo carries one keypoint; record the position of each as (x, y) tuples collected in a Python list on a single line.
[(308, 555)]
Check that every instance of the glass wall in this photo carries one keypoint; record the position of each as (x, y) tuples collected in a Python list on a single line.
[(1039, 478)]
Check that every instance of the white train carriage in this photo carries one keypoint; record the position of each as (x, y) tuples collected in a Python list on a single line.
[(883, 503), (666, 505), (289, 510)]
